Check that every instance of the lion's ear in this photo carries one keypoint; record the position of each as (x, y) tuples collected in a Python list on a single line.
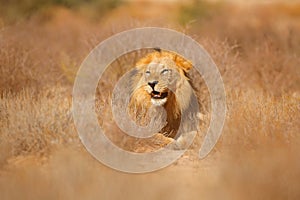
[(187, 66), (184, 64)]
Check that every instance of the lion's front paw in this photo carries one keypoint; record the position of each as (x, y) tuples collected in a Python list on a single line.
[(161, 140), (183, 142), (153, 143)]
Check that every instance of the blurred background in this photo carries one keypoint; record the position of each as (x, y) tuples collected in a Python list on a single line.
[(56, 35), (256, 46)]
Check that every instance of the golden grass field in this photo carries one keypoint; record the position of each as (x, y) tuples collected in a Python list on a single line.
[(256, 47)]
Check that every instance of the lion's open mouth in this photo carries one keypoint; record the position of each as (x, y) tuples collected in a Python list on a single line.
[(158, 95)]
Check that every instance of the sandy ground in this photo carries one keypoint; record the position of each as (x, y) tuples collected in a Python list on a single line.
[(70, 174)]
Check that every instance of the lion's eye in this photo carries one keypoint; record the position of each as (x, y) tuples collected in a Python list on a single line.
[(147, 72), (165, 71)]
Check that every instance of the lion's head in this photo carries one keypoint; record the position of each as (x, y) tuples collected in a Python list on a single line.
[(161, 81)]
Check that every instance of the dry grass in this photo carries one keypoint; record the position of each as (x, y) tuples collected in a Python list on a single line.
[(32, 123), (256, 49)]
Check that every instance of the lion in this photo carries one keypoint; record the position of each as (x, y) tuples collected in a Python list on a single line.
[(161, 80)]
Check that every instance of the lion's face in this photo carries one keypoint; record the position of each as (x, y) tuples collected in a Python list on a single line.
[(160, 74), (159, 80)]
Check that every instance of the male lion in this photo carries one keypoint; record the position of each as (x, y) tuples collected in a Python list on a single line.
[(161, 81)]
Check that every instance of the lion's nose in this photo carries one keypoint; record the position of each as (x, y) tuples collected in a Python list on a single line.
[(152, 84)]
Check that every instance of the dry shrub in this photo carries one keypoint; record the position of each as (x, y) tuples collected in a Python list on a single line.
[(273, 69), (256, 119), (33, 122), (14, 69)]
